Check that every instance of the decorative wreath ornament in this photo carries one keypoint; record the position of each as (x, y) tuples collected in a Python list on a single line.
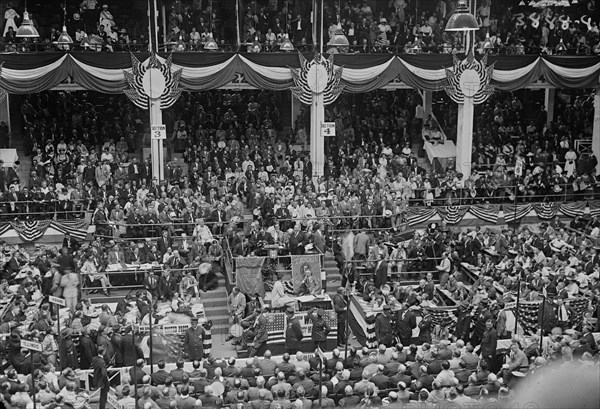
[(317, 76), (153, 80), (469, 78)]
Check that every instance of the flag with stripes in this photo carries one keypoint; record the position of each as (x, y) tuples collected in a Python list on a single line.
[(277, 323), (76, 228), (31, 230), (445, 317), (513, 213), (546, 210), (417, 216), (572, 209), (594, 207), (486, 212), (528, 313), (362, 323), (452, 214), (4, 227)]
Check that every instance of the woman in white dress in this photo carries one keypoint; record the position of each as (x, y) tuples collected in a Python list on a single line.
[(10, 15), (106, 20)]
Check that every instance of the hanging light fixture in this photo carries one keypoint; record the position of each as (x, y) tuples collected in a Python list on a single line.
[(180, 45), (211, 44), (462, 19), (27, 29), (64, 41), (256, 47), (286, 44), (561, 48), (522, 3), (339, 40), (487, 43), (85, 42)]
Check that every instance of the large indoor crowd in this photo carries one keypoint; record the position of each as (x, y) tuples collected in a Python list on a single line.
[(535, 27), (230, 157), (477, 358)]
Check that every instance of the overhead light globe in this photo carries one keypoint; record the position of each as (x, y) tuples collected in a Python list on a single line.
[(487, 43), (462, 20), (27, 29), (286, 44), (256, 47), (339, 39), (64, 41), (211, 44)]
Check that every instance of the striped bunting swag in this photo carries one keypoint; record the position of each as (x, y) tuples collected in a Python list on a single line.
[(546, 210), (76, 228), (528, 313), (512, 212), (31, 230), (277, 323), (572, 209), (452, 214), (419, 215), (361, 323), (579, 306), (594, 207), (486, 212), (4, 228), (444, 317)]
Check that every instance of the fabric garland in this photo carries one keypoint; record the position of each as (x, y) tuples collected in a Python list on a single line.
[(36, 72)]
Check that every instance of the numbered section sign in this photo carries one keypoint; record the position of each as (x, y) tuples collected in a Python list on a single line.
[(158, 131), (328, 128)]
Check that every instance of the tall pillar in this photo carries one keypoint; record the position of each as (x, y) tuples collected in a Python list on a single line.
[(317, 143), (5, 111), (295, 107), (156, 145), (549, 95), (427, 101), (596, 128), (464, 137)]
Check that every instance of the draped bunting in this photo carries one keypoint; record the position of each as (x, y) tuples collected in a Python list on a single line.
[(452, 214), (35, 72), (29, 231), (490, 213)]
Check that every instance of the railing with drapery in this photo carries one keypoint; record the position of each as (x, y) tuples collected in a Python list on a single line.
[(35, 72)]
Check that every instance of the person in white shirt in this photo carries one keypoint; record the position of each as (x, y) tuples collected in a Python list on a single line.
[(202, 232), (278, 296)]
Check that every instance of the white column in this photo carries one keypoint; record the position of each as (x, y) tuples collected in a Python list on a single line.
[(596, 128), (464, 137), (427, 100), (156, 145), (317, 143), (295, 107), (5, 111), (549, 104)]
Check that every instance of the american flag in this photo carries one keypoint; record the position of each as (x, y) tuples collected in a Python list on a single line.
[(512, 212), (528, 313), (486, 212), (452, 214)]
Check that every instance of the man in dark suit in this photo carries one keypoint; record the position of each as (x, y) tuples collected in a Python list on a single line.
[(293, 333), (70, 243), (406, 321), (340, 305), (164, 242), (87, 351), (381, 272), (218, 217), (159, 377), (101, 376), (297, 241), (489, 343), (383, 328)]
